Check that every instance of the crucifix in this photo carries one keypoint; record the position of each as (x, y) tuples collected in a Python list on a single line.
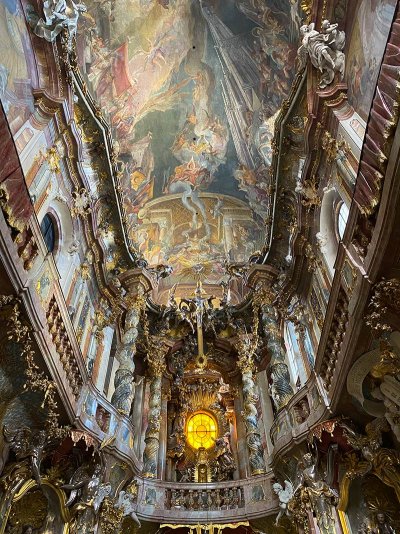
[(197, 308)]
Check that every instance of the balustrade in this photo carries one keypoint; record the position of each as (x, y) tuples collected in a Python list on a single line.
[(205, 499), (193, 502)]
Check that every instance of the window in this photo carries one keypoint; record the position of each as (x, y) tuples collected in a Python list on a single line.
[(309, 348), (343, 215), (110, 365), (48, 230), (296, 366), (201, 430)]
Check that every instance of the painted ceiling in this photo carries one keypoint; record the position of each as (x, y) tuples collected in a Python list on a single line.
[(191, 89)]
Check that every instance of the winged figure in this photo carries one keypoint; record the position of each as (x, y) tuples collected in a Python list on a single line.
[(324, 49), (381, 461), (160, 271), (284, 494), (237, 270), (87, 495), (27, 443)]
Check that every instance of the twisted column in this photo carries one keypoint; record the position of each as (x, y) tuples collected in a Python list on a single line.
[(281, 390), (250, 397), (132, 296), (156, 365)]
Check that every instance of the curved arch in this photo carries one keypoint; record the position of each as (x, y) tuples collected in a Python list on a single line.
[(65, 229), (56, 503)]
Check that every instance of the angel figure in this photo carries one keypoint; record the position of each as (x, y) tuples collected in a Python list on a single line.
[(236, 270), (184, 314), (324, 49), (284, 495), (380, 461), (216, 210), (224, 457), (159, 271), (30, 444), (89, 493), (171, 309)]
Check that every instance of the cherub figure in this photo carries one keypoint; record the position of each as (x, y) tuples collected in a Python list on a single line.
[(284, 495)]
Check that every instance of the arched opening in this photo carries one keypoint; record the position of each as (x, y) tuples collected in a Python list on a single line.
[(49, 232), (341, 221)]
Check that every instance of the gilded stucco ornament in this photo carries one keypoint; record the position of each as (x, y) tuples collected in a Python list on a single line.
[(375, 459), (308, 190), (81, 203), (333, 147), (385, 297)]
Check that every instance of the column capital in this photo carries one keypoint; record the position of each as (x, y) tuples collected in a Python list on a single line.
[(156, 353), (136, 282), (262, 276)]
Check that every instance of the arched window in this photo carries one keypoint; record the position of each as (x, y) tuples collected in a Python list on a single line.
[(309, 348), (48, 230), (343, 215), (110, 365), (295, 361)]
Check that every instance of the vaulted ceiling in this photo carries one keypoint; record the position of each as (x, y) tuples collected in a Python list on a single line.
[(191, 89)]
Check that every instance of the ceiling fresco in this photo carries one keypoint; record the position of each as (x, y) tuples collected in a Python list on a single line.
[(191, 89)]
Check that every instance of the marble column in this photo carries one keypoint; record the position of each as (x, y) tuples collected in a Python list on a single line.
[(250, 414), (266, 406), (162, 453), (281, 389), (135, 284), (156, 367), (124, 380), (137, 414)]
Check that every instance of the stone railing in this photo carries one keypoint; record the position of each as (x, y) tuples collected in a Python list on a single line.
[(204, 499), (190, 503), (303, 411), (110, 427)]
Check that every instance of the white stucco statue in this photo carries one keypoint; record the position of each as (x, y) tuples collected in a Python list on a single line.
[(284, 495), (58, 15), (325, 49)]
